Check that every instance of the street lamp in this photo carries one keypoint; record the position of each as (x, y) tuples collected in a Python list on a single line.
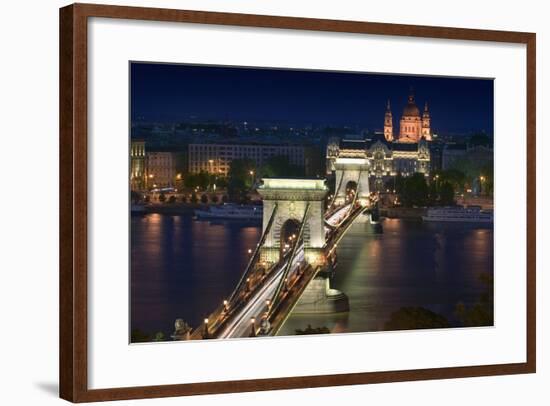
[(252, 327), (205, 332), (225, 306), (251, 173)]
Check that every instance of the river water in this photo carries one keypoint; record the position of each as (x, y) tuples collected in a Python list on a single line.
[(184, 268)]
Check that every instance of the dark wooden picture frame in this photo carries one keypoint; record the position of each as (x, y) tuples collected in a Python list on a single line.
[(73, 201)]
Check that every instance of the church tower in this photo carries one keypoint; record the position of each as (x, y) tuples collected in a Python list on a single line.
[(388, 123), (410, 126), (426, 132)]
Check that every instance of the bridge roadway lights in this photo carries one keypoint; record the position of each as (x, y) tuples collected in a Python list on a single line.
[(315, 256)]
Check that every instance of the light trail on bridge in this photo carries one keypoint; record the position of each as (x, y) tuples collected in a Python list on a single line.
[(240, 323), (339, 214), (239, 326)]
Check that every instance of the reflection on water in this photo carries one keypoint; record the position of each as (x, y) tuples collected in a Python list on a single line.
[(411, 264), (183, 268)]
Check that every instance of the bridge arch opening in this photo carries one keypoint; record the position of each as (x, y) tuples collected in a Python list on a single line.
[(289, 235)]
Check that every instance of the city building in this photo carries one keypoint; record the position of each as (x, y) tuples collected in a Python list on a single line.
[(459, 154), (389, 154), (412, 127), (216, 158), (161, 169), (436, 155), (137, 165), (385, 159)]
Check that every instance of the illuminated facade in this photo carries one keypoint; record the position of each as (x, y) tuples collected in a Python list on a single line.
[(216, 158), (413, 126), (161, 169), (383, 159), (387, 154), (137, 165)]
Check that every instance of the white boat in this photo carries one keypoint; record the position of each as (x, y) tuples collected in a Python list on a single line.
[(459, 214), (231, 211)]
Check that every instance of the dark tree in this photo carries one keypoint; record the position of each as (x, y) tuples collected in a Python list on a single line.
[(190, 181), (204, 199), (446, 194), (200, 180), (433, 193), (487, 171), (412, 318), (221, 182), (241, 178), (415, 191), (214, 199), (279, 166), (138, 336), (194, 198), (455, 177), (482, 312), (172, 199), (399, 183), (203, 179), (162, 198)]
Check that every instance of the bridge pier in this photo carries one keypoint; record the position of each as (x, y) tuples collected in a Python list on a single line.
[(318, 297)]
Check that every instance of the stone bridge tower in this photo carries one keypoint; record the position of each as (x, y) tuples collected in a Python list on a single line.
[(352, 170), (292, 196)]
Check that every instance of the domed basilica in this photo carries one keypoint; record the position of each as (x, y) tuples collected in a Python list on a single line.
[(388, 154), (412, 126)]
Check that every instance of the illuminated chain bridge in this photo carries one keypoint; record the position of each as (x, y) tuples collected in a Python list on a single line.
[(289, 268)]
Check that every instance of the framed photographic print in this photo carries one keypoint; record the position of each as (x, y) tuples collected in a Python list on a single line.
[(256, 202)]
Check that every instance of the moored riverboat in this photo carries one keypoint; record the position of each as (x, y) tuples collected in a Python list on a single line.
[(231, 211), (459, 214)]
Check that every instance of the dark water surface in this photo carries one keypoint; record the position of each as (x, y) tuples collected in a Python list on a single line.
[(434, 266), (182, 268)]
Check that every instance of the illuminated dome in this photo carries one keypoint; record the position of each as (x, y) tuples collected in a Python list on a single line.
[(410, 109)]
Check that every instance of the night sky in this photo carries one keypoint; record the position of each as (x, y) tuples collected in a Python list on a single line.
[(169, 92)]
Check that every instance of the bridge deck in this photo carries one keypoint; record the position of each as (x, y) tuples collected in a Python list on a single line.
[(251, 302)]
